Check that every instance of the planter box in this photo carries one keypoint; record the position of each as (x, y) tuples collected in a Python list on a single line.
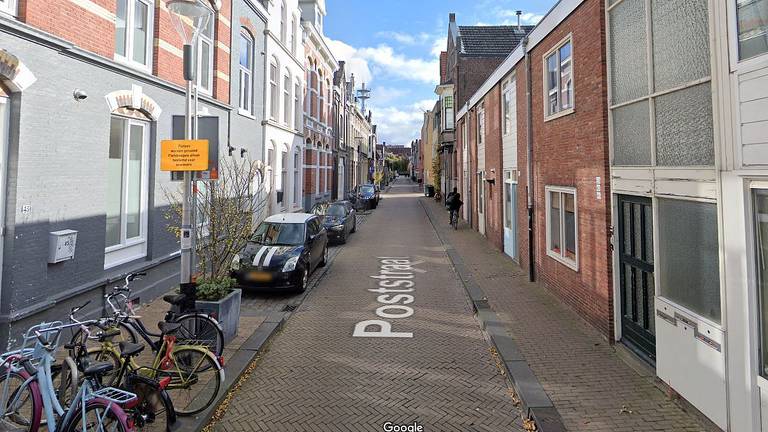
[(226, 311)]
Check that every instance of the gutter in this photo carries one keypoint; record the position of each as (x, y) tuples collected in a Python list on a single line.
[(528, 162)]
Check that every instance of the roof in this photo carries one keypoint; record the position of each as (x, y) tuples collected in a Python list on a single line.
[(289, 217), (491, 40)]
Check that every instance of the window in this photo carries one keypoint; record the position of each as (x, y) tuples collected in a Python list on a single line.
[(296, 182), (480, 193), (562, 229), (283, 22), (689, 262), (760, 198), (287, 100), (321, 104), (295, 38), (8, 6), (246, 72), (506, 108), (126, 189), (327, 168), (133, 35), (448, 106), (273, 92), (481, 126), (270, 164), (559, 79), (205, 62), (283, 177), (752, 25), (297, 106)]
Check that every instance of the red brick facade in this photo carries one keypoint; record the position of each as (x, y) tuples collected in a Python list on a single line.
[(571, 151)]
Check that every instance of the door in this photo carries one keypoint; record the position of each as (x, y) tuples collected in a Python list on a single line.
[(481, 202), (637, 289), (510, 218)]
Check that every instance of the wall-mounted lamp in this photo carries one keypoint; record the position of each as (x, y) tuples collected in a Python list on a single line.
[(230, 149), (243, 152)]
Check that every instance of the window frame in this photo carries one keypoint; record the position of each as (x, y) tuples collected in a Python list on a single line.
[(130, 249), (203, 39), (283, 22), (127, 59), (297, 105), (9, 7), (274, 90), (506, 123), (287, 100), (297, 177), (248, 71), (733, 10), (480, 126), (555, 51), (446, 109), (561, 257), (283, 178)]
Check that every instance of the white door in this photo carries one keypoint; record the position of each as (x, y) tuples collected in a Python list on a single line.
[(341, 180), (510, 218), (481, 202), (4, 120)]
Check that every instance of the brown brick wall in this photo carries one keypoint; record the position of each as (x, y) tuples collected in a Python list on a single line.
[(494, 228), (572, 151), (471, 74)]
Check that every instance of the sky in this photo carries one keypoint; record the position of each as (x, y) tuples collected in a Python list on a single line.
[(394, 45)]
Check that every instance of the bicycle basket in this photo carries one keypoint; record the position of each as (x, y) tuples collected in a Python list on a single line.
[(50, 333)]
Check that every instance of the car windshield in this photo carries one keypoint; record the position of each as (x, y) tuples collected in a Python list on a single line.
[(329, 210), (279, 234), (367, 189)]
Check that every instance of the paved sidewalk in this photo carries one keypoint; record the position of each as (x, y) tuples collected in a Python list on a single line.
[(591, 387), (317, 377)]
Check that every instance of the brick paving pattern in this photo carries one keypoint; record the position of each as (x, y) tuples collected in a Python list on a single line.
[(317, 377), (592, 388)]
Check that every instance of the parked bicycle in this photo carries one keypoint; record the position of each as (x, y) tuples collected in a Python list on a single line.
[(196, 328), (27, 392), (153, 410)]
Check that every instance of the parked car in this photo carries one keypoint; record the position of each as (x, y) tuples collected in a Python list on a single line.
[(339, 219), (283, 251), (365, 197)]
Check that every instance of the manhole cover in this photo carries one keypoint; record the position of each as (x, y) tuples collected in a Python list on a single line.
[(289, 308)]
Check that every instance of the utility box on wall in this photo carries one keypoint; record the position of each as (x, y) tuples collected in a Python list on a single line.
[(61, 245)]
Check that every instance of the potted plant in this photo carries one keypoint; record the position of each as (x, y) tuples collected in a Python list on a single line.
[(226, 211)]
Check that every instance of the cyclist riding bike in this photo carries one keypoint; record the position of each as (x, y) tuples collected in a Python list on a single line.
[(454, 203)]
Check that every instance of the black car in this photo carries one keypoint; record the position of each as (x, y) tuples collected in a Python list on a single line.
[(283, 251), (365, 196), (339, 219)]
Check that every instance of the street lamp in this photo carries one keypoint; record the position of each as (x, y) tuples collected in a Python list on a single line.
[(189, 17)]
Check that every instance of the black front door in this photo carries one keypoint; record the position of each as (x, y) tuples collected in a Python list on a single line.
[(636, 274)]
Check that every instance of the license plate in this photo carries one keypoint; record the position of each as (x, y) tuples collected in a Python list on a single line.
[(259, 276)]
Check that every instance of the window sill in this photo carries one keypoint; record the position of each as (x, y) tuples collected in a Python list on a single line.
[(122, 254), (569, 111), (245, 113), (573, 265), (132, 64)]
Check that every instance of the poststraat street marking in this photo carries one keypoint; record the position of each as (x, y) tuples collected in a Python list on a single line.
[(395, 279)]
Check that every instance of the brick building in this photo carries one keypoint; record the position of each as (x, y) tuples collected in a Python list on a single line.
[(568, 130), (320, 66), (90, 88)]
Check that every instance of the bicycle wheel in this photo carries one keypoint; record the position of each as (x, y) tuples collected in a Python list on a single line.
[(103, 354), (22, 405), (196, 377), (65, 381), (200, 329), (154, 411), (127, 334), (98, 418)]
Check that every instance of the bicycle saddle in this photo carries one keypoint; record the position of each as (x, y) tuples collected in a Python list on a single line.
[(174, 299), (167, 327), (128, 349), (98, 369)]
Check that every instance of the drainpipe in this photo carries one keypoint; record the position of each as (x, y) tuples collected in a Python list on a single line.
[(529, 163)]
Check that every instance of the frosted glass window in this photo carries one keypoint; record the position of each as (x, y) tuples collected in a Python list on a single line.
[(562, 231), (684, 134), (680, 42), (133, 31), (760, 197), (126, 182), (688, 249), (753, 27), (628, 45), (632, 134)]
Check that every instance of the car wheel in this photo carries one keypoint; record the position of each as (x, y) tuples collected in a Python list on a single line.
[(354, 225), (324, 261), (343, 238), (303, 281)]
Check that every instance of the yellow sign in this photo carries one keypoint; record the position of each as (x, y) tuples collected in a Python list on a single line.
[(183, 155)]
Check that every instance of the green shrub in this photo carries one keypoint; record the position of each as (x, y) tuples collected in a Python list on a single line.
[(214, 289)]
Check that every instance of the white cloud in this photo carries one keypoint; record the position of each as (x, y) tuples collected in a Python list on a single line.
[(386, 95), (405, 38), (438, 45), (401, 125), (526, 18), (354, 64)]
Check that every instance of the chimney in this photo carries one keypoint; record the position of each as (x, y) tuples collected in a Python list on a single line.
[(452, 17), (518, 13)]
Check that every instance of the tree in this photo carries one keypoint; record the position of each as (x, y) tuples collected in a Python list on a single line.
[(436, 174), (227, 211)]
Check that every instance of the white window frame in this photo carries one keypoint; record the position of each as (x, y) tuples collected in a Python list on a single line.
[(210, 41), (128, 58), (481, 126), (246, 76), (9, 7), (287, 101), (130, 249), (545, 70), (297, 107), (297, 177), (274, 90), (734, 39), (296, 33), (283, 177), (562, 190), (446, 117), (506, 123), (283, 22)]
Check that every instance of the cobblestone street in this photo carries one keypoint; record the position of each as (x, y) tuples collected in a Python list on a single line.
[(317, 376)]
